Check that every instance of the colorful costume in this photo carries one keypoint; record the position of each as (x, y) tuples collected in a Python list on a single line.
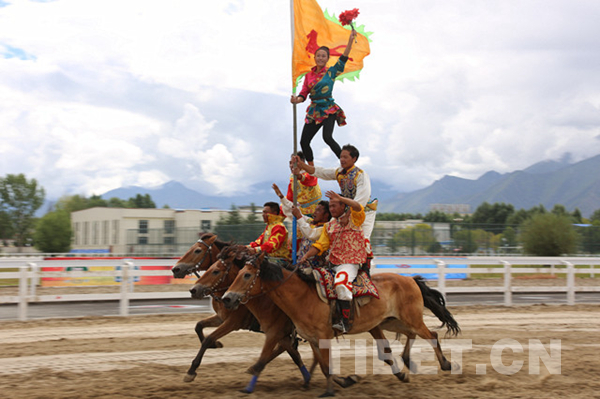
[(273, 240), (307, 235), (346, 244), (322, 111), (356, 184), (309, 193), (320, 86)]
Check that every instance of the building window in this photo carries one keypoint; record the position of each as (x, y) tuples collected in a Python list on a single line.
[(142, 240), (169, 240), (205, 225), (86, 229), (169, 227), (115, 231), (143, 227), (105, 232)]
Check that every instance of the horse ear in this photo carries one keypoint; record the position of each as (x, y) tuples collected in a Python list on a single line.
[(261, 257), (211, 240)]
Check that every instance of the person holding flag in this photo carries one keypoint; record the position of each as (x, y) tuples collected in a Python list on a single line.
[(322, 111)]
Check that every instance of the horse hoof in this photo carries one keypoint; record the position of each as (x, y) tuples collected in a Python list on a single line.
[(402, 376), (455, 367), (245, 390), (327, 395), (345, 382), (218, 344), (189, 377)]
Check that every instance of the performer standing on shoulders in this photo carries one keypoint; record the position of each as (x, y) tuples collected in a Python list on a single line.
[(310, 228), (322, 111), (344, 238), (354, 182), (309, 192)]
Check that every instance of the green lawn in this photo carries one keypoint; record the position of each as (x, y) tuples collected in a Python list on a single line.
[(560, 271), (11, 281)]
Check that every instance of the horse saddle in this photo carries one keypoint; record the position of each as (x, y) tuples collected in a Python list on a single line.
[(362, 287)]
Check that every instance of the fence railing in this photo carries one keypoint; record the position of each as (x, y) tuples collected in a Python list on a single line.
[(124, 271)]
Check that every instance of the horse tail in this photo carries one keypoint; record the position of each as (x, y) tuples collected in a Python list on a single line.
[(434, 301)]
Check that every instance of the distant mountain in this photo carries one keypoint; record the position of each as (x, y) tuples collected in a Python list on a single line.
[(548, 183), (177, 196)]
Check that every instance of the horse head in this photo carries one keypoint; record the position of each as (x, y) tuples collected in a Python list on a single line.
[(199, 257), (220, 274)]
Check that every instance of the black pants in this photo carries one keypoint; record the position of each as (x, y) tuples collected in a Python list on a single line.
[(310, 130)]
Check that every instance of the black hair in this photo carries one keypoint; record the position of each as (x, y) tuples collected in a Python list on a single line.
[(300, 155), (325, 48), (325, 205), (274, 206), (352, 150)]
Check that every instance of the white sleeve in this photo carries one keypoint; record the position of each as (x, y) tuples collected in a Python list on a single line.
[(363, 189), (325, 173), (312, 234), (286, 206)]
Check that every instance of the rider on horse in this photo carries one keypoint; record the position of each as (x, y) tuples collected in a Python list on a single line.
[(344, 238), (273, 240)]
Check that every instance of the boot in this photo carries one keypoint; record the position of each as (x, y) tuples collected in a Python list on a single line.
[(342, 322)]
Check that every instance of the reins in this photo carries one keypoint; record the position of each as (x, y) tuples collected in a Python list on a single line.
[(201, 261), (246, 297)]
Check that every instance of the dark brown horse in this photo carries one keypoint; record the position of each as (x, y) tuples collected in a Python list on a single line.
[(399, 309), (278, 328)]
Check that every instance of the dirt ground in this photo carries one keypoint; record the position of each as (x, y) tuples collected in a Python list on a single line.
[(147, 357)]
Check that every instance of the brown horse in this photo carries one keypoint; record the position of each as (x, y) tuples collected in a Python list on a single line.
[(278, 328), (200, 257), (399, 309)]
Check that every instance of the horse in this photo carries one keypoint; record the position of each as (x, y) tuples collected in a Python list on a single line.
[(278, 328), (200, 257), (399, 308)]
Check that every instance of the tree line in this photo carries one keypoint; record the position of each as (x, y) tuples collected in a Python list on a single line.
[(21, 198)]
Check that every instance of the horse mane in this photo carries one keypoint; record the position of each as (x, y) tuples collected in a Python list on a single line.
[(234, 250), (308, 278), (218, 243), (270, 271)]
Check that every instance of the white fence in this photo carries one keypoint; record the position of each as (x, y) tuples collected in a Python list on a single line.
[(30, 273)]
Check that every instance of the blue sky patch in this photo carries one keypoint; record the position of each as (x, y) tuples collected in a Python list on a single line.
[(14, 52)]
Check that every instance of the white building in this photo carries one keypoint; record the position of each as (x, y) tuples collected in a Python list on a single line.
[(141, 231)]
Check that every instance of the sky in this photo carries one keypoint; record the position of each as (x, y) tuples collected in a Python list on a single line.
[(97, 95)]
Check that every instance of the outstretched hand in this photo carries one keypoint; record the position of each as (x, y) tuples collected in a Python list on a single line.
[(277, 190), (332, 195)]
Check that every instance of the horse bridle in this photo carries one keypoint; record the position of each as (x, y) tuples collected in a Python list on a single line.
[(201, 261), (213, 288), (246, 297)]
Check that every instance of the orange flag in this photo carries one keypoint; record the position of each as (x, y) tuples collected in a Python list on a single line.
[(313, 29)]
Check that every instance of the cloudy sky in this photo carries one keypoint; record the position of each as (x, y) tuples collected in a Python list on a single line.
[(96, 95)]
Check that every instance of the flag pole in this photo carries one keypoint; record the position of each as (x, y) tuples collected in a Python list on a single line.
[(295, 127)]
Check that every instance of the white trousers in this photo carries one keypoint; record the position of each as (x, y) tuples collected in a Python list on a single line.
[(369, 223), (344, 276)]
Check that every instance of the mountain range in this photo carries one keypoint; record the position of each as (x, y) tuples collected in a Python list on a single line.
[(547, 183)]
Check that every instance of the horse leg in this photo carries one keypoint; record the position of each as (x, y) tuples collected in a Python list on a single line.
[(432, 337), (322, 356), (384, 352), (213, 321), (266, 355), (410, 340), (230, 324)]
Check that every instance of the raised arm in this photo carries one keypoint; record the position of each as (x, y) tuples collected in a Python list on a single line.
[(349, 45), (332, 195)]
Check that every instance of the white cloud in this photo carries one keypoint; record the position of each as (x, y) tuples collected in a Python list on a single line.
[(118, 93)]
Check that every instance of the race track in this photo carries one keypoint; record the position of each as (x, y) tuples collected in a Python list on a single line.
[(147, 357)]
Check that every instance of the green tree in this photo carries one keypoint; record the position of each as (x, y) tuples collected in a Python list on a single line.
[(141, 201), (492, 217), (53, 232), (418, 236), (549, 234), (437, 217), (6, 230), (20, 199)]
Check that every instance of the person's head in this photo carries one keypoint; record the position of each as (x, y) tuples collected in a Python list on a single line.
[(337, 208), (322, 56), (348, 156), (270, 208), (322, 213)]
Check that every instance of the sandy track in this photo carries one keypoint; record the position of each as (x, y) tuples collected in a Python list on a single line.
[(147, 356)]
